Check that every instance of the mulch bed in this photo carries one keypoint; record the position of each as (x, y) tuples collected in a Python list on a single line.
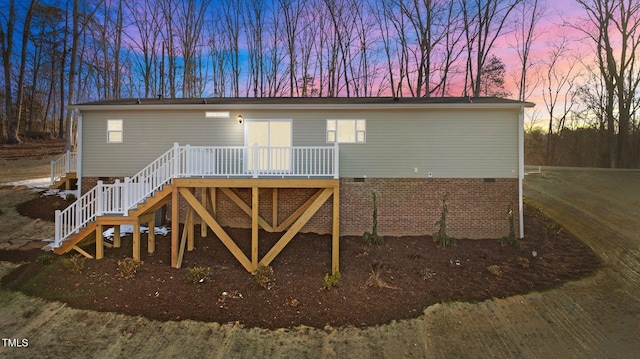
[(413, 273), (44, 207)]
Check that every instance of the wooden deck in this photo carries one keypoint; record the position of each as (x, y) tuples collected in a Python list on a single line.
[(183, 171), (185, 189)]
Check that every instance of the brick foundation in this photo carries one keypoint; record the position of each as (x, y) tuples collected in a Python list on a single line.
[(477, 207)]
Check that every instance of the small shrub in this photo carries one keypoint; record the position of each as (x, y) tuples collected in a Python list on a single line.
[(495, 270), (198, 274), (45, 259), (74, 264), (70, 197), (440, 237), (510, 239), (264, 276), (373, 237), (128, 267), (551, 229), (332, 280), (374, 279)]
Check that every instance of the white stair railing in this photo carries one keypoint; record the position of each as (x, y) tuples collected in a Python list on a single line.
[(193, 161), (62, 166), (115, 199)]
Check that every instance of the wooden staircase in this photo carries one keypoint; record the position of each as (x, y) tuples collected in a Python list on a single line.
[(65, 182), (138, 215)]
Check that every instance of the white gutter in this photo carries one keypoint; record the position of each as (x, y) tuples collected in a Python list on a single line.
[(520, 169), (79, 153)]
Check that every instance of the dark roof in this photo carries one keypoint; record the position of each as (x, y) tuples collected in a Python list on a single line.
[(307, 101)]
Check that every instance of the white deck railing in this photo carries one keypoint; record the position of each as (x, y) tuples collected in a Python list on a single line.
[(193, 161), (62, 166)]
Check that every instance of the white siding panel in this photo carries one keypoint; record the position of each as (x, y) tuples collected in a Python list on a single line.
[(146, 136), (449, 143)]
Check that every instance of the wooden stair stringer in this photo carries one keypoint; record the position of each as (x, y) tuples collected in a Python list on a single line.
[(153, 203), (83, 234)]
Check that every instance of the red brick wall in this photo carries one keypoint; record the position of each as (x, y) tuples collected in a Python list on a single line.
[(477, 209), (406, 206)]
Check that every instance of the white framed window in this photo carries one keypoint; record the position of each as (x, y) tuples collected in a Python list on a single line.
[(346, 131), (114, 131)]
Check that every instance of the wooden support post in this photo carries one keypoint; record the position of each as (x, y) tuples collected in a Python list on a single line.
[(190, 229), (99, 242), (335, 240), (136, 241), (116, 236), (254, 227), (274, 220), (212, 201), (203, 200), (151, 236), (187, 235), (175, 227), (183, 240)]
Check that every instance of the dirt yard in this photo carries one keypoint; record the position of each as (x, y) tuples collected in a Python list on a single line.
[(595, 317), (380, 283)]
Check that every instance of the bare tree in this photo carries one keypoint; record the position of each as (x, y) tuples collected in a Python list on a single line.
[(13, 114), (292, 11), (381, 10), (188, 26), (527, 16), (308, 34), (145, 16), (484, 23), (559, 91), (169, 37), (364, 66), (339, 37), (80, 21), (612, 26), (6, 41), (428, 21), (231, 15)]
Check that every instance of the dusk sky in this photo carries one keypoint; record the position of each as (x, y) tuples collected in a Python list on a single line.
[(549, 30)]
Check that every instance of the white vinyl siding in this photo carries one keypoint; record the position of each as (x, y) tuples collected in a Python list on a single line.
[(449, 143), (148, 135)]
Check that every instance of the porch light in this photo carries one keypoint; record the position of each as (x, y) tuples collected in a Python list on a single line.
[(239, 119)]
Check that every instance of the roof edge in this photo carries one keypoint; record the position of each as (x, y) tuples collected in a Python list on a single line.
[(292, 103)]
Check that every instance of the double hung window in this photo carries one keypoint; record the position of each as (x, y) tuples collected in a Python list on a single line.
[(346, 131)]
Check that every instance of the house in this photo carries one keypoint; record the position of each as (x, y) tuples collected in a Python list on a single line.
[(296, 164)]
